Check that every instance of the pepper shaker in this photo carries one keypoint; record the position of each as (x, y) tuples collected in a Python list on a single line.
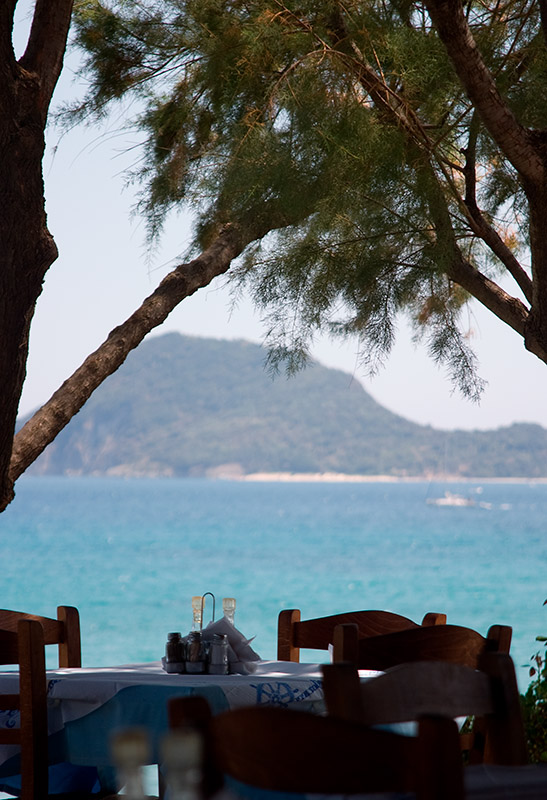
[(174, 648)]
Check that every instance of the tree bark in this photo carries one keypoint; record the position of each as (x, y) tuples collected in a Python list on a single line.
[(27, 248), (183, 281)]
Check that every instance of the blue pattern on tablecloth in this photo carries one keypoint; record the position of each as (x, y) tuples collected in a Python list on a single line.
[(281, 693)]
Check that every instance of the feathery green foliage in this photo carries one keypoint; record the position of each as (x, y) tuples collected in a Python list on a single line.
[(343, 130)]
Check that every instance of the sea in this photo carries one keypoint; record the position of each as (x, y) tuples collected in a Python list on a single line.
[(131, 553)]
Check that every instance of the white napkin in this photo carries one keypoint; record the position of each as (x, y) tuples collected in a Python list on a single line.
[(241, 655)]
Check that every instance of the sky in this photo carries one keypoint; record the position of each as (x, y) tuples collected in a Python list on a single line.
[(104, 271)]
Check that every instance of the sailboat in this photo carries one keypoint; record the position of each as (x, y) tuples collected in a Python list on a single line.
[(451, 499)]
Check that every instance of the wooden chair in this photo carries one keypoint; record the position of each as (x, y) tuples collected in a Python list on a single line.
[(410, 691), (448, 643), (63, 631), (23, 638), (283, 750), (317, 634), (25, 647), (451, 643)]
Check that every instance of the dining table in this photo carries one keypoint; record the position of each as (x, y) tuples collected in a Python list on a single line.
[(87, 705)]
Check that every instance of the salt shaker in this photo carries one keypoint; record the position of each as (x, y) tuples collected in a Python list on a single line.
[(196, 658), (218, 655)]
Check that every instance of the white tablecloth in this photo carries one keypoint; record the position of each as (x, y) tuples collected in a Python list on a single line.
[(80, 691), (86, 705)]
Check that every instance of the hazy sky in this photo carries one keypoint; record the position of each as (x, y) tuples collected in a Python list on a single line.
[(103, 274)]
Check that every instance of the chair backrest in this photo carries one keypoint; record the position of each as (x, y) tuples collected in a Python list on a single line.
[(451, 643), (433, 688), (63, 631), (283, 750), (25, 647), (294, 633)]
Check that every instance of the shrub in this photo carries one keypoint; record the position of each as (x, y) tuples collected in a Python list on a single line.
[(534, 707)]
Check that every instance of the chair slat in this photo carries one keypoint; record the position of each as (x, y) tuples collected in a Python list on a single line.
[(318, 633), (11, 736), (288, 751), (10, 702), (53, 630), (63, 631), (449, 643), (266, 748)]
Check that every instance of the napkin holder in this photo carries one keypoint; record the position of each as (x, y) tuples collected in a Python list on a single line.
[(241, 656)]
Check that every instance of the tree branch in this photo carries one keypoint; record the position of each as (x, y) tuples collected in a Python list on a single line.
[(479, 224), (182, 282), (47, 44), (506, 307), (514, 140), (383, 96)]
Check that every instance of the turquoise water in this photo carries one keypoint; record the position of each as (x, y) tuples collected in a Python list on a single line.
[(131, 553)]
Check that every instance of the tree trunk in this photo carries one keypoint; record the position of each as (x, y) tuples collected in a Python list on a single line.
[(27, 248)]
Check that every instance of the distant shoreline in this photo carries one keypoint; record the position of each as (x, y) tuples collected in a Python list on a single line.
[(220, 474), (339, 477)]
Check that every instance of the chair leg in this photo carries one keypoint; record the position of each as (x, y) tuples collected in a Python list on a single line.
[(440, 767), (34, 733)]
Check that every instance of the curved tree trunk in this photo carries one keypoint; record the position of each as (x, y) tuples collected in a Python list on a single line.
[(183, 281)]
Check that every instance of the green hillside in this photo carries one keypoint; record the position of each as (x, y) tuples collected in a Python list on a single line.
[(189, 406)]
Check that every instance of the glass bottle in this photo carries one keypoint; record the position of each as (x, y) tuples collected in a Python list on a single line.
[(229, 608), (130, 752), (197, 611), (182, 761)]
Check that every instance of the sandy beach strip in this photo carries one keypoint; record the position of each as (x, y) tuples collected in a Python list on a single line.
[(338, 477), (318, 477)]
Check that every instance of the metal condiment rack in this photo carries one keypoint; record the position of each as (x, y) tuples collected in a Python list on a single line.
[(203, 606)]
